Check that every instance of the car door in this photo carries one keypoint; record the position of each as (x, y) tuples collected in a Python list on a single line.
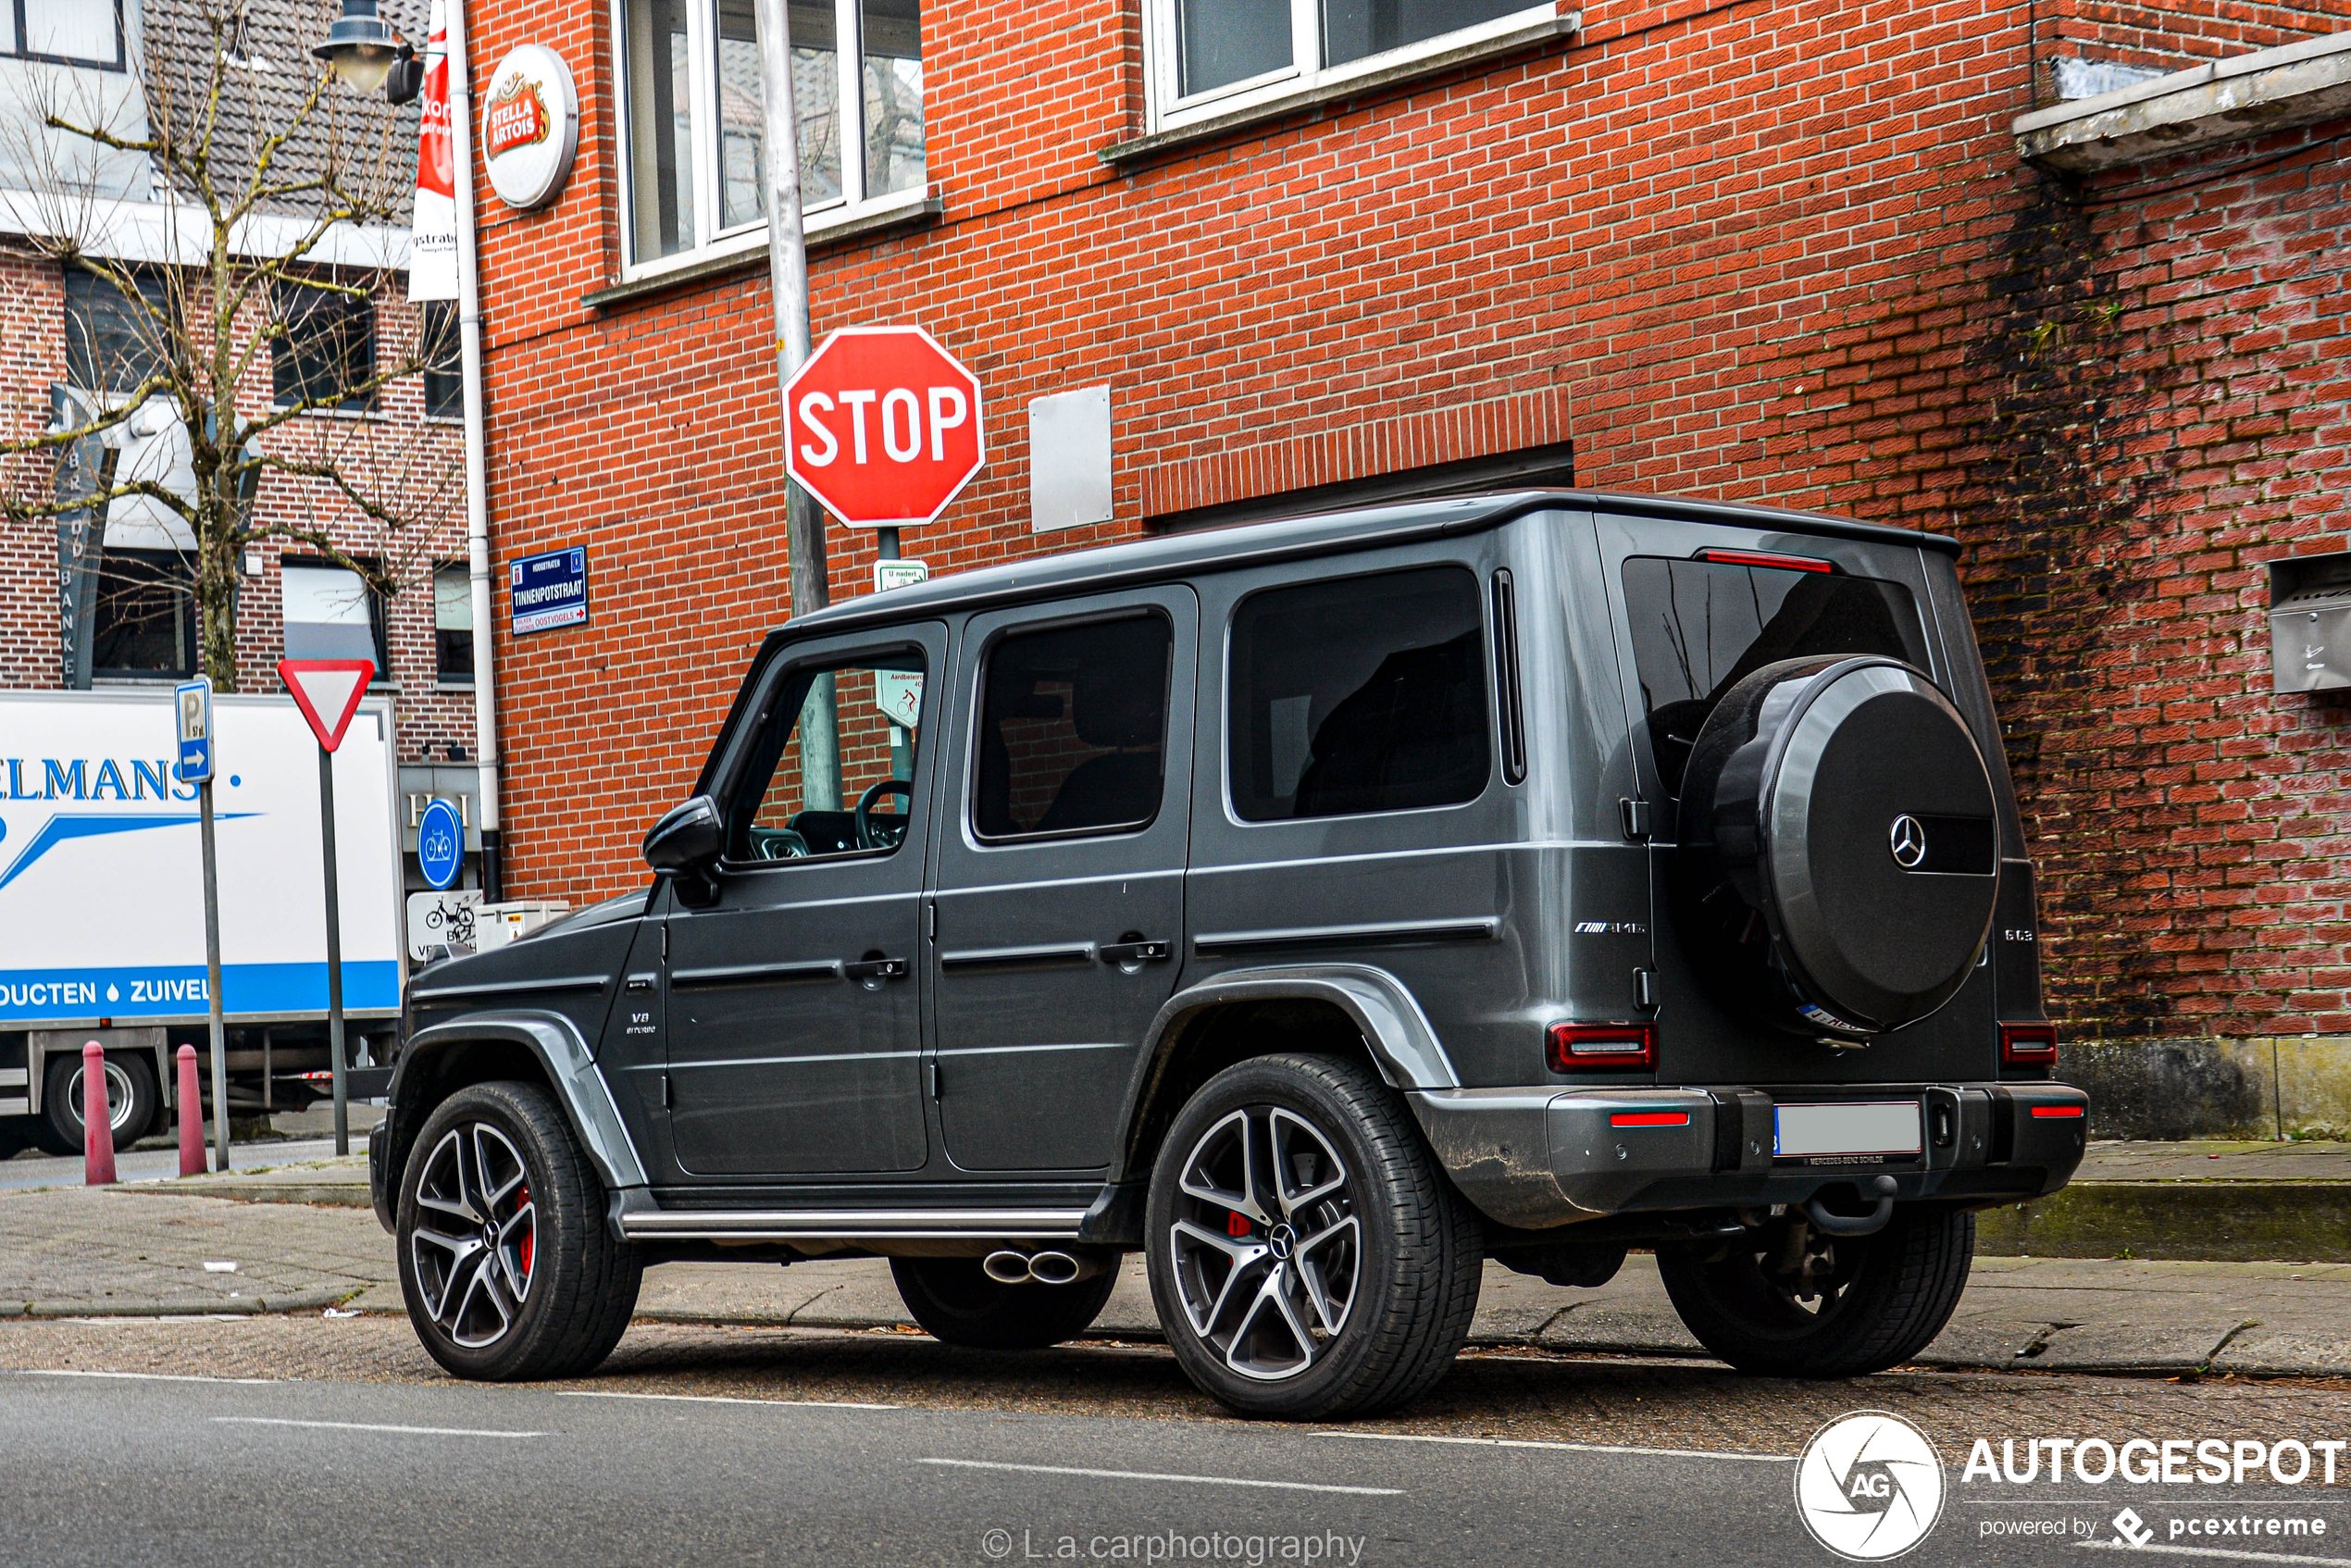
[(1059, 873), (792, 1015)]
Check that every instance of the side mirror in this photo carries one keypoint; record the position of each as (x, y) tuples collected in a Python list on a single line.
[(688, 838)]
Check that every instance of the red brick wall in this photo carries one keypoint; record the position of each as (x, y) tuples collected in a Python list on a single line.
[(1779, 254)]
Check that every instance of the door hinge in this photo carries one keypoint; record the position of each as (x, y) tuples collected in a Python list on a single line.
[(934, 1078), (930, 920), (665, 1091), (1644, 987), (1635, 814)]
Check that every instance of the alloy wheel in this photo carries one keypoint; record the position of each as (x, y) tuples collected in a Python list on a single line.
[(1266, 1245), (477, 1235)]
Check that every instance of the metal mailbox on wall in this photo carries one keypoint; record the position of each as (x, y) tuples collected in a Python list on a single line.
[(2310, 623)]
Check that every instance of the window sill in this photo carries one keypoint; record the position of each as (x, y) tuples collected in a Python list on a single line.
[(1346, 91), (2231, 100), (909, 209), (464, 687)]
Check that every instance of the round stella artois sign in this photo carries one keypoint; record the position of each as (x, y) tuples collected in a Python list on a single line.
[(530, 126)]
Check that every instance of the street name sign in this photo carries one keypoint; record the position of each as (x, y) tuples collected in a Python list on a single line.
[(883, 427), (328, 692), (549, 590)]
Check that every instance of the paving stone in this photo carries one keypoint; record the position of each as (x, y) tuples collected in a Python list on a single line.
[(2175, 1340)]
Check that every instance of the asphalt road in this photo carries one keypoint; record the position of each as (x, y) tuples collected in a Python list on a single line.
[(113, 1468)]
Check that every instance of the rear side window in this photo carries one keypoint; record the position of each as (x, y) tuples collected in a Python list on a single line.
[(1073, 731), (1700, 628), (1361, 695)]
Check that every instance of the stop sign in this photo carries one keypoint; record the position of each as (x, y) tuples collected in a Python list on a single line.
[(882, 426)]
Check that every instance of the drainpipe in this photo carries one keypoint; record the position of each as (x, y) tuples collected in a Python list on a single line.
[(461, 117)]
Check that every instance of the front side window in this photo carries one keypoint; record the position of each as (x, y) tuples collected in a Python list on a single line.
[(1700, 628), (324, 352), (1216, 49), (695, 124), (1073, 731), (145, 621), (832, 768), (331, 613), (1364, 694)]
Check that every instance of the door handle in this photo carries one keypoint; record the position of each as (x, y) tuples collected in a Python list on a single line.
[(1146, 951), (876, 969)]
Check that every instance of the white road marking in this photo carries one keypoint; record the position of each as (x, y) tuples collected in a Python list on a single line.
[(718, 1399), (370, 1427), (1574, 1448), (1153, 1476), (141, 1376), (2218, 1551)]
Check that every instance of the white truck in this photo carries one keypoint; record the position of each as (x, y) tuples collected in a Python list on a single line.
[(102, 932)]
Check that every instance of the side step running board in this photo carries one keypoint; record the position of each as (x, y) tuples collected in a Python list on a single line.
[(845, 1224)]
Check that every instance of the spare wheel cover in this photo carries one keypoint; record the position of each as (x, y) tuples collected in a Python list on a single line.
[(1881, 849)]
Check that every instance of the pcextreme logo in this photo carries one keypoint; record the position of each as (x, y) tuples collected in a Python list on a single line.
[(1868, 1485)]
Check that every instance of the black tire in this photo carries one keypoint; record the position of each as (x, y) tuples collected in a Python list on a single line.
[(131, 1098), (1418, 1250), (957, 1304), (578, 1285), (1879, 1299)]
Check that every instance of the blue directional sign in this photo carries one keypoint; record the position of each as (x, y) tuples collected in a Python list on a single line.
[(549, 590), (192, 711), (440, 842)]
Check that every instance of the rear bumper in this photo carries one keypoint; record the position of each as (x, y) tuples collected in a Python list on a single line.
[(1536, 1158)]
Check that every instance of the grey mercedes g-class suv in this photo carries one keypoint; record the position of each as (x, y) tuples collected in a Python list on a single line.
[(1320, 907)]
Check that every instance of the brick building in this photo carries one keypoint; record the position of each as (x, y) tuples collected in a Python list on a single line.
[(2065, 280), (106, 601)]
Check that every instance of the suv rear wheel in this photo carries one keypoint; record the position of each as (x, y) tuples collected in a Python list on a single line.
[(1308, 1258), (958, 1304), (504, 1258), (1787, 1303)]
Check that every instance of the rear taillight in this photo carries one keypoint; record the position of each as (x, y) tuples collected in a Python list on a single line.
[(2028, 1045), (1602, 1048), (1648, 1118), (1772, 559), (2056, 1112)]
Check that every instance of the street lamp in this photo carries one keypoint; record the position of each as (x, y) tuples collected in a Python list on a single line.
[(363, 50)]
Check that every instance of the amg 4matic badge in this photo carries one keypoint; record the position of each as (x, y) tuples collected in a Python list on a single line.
[(1612, 929)]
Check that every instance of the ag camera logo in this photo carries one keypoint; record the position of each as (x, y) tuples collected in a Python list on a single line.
[(1868, 1485)]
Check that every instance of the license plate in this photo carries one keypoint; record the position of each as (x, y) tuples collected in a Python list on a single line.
[(1874, 1126)]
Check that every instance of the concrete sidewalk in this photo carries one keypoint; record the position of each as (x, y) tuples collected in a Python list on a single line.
[(143, 1250)]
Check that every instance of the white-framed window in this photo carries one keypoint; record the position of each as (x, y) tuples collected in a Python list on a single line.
[(1210, 57), (692, 119)]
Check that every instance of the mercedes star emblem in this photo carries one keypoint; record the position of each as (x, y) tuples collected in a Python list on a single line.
[(1909, 840)]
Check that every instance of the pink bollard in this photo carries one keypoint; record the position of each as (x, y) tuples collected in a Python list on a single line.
[(97, 1120), (191, 1115)]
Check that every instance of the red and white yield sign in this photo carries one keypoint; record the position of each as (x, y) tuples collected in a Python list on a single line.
[(882, 426)]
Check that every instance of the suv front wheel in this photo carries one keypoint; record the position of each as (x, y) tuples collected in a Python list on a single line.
[(509, 1270), (1308, 1258)]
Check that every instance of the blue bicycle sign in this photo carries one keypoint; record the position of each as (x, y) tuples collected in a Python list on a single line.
[(440, 842)]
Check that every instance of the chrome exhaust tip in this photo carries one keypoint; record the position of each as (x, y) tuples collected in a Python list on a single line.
[(1054, 1268), (1008, 1268)]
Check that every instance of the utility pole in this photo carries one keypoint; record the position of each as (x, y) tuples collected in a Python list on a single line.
[(212, 980), (787, 284)]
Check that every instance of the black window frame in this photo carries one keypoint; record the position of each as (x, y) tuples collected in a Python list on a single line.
[(378, 620), (1476, 639), (294, 306), (121, 61), (979, 723), (739, 801), (442, 351), (104, 315), (166, 564)]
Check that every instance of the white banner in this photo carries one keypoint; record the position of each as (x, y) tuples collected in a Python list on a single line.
[(432, 256)]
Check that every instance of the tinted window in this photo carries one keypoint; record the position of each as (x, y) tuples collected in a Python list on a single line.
[(836, 739), (1073, 730), (1700, 628), (1364, 694)]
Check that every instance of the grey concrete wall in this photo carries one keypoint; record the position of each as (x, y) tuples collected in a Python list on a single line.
[(2206, 1087)]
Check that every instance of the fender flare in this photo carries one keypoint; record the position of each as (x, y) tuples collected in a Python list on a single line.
[(1403, 1044), (571, 1070)]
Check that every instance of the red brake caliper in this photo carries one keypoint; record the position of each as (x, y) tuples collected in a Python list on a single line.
[(529, 1237), (1237, 1224)]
